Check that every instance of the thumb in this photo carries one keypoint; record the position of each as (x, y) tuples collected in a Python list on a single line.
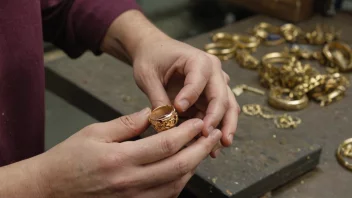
[(126, 127)]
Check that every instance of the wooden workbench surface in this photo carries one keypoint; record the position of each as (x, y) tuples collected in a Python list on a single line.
[(262, 157)]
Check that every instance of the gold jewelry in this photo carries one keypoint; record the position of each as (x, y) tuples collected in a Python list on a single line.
[(344, 154), (220, 48), (279, 98), (238, 90), (281, 121), (339, 54), (246, 60), (285, 121), (264, 29), (290, 32), (163, 118), (245, 41), (222, 37), (275, 42), (277, 57)]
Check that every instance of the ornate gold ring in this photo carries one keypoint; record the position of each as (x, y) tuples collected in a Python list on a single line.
[(163, 118)]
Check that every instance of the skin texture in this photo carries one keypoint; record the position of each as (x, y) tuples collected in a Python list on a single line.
[(98, 162)]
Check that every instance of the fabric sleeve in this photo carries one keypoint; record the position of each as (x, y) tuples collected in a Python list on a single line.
[(79, 25)]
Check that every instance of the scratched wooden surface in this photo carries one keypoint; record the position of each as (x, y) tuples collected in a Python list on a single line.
[(261, 158)]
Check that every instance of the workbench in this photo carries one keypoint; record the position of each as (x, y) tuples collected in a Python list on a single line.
[(262, 157)]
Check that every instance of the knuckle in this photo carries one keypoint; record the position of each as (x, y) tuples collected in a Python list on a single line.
[(195, 92), (216, 61), (91, 129), (168, 146), (182, 167), (128, 123), (226, 103)]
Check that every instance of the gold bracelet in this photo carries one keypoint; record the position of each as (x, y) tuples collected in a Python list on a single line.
[(277, 100), (163, 118), (345, 50), (220, 48), (245, 41), (344, 151)]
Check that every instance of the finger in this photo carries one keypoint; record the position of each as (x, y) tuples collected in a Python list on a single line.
[(226, 77), (165, 144), (180, 164), (216, 150), (197, 76), (229, 122), (123, 128), (200, 115), (155, 91), (170, 189), (218, 102)]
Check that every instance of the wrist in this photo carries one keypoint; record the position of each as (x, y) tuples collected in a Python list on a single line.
[(34, 170), (23, 179), (129, 32)]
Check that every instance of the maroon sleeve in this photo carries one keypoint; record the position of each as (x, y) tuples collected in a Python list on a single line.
[(79, 25)]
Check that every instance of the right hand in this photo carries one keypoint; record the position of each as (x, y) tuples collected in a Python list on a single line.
[(98, 161)]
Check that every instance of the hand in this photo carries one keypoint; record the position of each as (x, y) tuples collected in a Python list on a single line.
[(98, 161), (169, 71)]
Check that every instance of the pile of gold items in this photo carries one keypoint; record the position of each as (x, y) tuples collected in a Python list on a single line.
[(291, 83)]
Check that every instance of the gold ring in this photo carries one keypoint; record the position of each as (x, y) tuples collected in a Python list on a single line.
[(263, 30), (222, 37), (245, 41), (220, 48), (277, 100), (344, 151), (163, 118), (277, 57)]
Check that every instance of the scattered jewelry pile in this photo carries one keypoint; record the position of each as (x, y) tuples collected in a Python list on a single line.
[(291, 83)]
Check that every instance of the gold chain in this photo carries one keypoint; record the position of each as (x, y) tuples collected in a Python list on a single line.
[(281, 121)]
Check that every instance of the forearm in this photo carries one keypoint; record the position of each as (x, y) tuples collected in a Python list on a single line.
[(21, 179), (127, 33)]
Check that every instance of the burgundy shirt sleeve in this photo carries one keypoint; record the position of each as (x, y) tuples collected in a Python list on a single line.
[(79, 25)]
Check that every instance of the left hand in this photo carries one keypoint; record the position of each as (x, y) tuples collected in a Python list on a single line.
[(166, 69)]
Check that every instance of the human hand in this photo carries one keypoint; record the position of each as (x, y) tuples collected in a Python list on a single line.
[(98, 161), (169, 71)]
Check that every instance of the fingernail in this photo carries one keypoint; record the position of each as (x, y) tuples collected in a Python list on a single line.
[(145, 111), (198, 124), (211, 130), (230, 138), (184, 104)]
